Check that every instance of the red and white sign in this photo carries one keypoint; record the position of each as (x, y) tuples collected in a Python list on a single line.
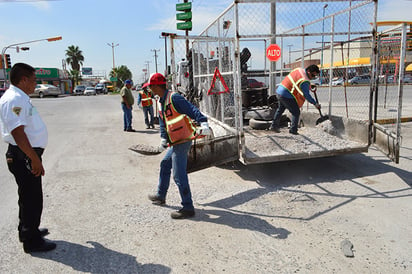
[(273, 52)]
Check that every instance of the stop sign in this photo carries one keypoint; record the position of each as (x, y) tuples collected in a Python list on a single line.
[(273, 52)]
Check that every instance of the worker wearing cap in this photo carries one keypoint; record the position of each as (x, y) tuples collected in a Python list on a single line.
[(145, 97), (292, 93), (176, 132), (127, 105)]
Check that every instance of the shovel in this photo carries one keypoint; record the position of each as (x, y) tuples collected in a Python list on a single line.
[(322, 118)]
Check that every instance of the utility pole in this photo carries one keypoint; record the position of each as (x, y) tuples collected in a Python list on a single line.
[(114, 72), (155, 56)]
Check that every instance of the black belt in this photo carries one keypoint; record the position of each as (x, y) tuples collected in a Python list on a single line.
[(17, 151)]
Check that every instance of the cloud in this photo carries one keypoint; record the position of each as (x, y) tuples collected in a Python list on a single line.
[(41, 5)]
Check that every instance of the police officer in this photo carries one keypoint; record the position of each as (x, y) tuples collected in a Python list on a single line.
[(25, 132)]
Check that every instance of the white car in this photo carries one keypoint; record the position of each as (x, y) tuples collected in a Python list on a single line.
[(338, 81), (42, 90), (90, 91)]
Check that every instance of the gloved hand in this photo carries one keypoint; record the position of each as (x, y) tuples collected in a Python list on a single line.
[(204, 129), (162, 145)]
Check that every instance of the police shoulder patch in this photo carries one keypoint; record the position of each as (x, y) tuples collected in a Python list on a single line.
[(17, 110)]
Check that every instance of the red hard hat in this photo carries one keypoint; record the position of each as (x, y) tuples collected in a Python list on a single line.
[(157, 79)]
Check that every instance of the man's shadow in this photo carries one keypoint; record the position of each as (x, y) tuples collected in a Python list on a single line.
[(98, 259), (238, 220)]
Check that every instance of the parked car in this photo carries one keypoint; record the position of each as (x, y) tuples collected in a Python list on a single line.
[(79, 90), (338, 81), (101, 88), (253, 83), (315, 81), (42, 90), (407, 79), (361, 79), (90, 91)]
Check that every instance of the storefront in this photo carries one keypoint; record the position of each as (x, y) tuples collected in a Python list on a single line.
[(55, 77)]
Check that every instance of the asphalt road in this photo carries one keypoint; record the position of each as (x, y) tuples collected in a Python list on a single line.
[(274, 218)]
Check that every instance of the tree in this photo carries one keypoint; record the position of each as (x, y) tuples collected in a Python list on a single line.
[(74, 57), (122, 73), (75, 77)]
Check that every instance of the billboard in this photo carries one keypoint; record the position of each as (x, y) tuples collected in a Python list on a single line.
[(87, 71)]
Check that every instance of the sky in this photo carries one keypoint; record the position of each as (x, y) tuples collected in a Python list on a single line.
[(134, 25)]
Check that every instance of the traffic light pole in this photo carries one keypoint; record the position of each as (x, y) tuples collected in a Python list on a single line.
[(3, 53)]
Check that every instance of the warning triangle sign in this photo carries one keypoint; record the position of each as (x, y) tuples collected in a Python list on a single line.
[(217, 75)]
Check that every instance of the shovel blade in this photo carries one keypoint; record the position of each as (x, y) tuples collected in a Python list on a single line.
[(322, 119)]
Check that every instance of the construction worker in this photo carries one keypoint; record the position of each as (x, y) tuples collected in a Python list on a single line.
[(127, 105), (176, 131), (292, 93), (145, 97)]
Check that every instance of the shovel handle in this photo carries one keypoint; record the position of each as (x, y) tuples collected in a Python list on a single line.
[(317, 101)]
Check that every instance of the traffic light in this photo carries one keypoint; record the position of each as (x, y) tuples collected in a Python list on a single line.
[(8, 61), (185, 16)]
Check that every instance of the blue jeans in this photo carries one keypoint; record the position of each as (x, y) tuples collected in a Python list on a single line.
[(176, 159), (127, 117), (148, 111), (292, 106)]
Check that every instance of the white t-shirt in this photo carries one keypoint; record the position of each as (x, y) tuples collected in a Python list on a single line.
[(16, 110)]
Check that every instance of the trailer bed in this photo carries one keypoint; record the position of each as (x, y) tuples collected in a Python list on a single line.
[(263, 146)]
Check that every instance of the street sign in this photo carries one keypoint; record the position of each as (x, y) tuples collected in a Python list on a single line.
[(184, 6), (273, 52), (87, 71), (113, 79), (184, 26), (184, 16)]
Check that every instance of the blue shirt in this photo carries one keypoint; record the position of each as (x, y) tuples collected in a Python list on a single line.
[(182, 106)]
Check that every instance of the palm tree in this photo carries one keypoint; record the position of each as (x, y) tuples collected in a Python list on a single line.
[(122, 73), (75, 77), (74, 57)]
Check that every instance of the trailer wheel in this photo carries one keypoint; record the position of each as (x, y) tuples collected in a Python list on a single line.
[(259, 124), (260, 114)]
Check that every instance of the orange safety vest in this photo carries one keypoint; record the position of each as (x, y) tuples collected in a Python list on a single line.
[(146, 98), (179, 127), (293, 81)]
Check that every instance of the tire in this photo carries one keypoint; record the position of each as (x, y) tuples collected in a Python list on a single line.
[(41, 95), (265, 114), (259, 124)]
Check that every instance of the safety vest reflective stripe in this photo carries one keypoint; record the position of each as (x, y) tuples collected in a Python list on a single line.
[(292, 83), (296, 84), (146, 98), (179, 126)]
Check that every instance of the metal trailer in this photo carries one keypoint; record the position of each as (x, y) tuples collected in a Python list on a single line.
[(238, 39)]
